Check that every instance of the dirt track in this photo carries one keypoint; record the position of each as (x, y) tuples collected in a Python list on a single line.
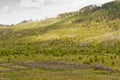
[(16, 65)]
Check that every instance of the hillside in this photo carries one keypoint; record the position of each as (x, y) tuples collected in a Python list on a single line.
[(88, 36), (74, 33)]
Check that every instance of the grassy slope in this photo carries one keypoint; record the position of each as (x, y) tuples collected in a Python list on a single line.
[(90, 37), (57, 35)]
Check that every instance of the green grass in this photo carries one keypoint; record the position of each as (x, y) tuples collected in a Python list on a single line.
[(90, 37), (38, 74)]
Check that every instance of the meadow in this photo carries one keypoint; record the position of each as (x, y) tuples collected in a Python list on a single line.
[(81, 45)]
